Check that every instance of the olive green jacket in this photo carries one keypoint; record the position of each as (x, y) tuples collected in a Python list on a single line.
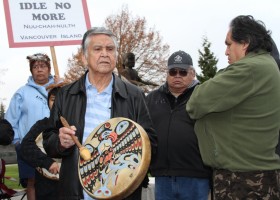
[(238, 115)]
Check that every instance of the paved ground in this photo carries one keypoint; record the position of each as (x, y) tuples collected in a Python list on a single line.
[(147, 193), (19, 196)]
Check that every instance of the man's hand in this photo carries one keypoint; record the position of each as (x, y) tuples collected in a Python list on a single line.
[(54, 168), (65, 138)]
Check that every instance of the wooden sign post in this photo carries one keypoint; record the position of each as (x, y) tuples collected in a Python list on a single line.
[(46, 23), (55, 67)]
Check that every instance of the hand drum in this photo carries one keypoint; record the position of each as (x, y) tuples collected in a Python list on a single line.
[(120, 158)]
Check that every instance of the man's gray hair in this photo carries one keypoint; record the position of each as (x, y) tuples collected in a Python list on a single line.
[(96, 31)]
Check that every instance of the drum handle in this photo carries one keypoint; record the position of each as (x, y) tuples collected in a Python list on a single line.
[(84, 152)]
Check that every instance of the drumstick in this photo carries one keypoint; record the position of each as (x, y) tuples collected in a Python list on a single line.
[(84, 152)]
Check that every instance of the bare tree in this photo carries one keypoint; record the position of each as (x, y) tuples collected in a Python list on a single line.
[(75, 67), (133, 36), (146, 43), (2, 73)]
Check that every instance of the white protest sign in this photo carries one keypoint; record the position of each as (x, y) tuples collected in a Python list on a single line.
[(46, 22)]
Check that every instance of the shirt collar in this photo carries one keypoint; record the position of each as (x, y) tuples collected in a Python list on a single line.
[(107, 90)]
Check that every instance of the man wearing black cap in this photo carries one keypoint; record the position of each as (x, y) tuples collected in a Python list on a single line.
[(178, 169)]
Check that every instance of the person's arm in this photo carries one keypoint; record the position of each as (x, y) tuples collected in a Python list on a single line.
[(144, 119), (145, 82), (30, 152), (224, 91), (13, 114), (142, 82), (51, 141)]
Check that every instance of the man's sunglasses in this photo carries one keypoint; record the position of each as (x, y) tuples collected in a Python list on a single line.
[(174, 72)]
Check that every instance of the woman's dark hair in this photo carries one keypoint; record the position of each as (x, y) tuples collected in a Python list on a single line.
[(245, 29), (53, 92), (275, 53), (54, 88)]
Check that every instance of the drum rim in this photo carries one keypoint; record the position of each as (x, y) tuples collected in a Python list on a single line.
[(42, 170)]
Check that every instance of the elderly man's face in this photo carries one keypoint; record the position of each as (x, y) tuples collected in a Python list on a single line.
[(180, 82), (101, 54)]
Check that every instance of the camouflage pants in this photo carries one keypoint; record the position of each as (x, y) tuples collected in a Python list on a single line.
[(257, 185)]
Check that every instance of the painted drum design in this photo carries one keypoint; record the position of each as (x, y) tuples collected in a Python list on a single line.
[(120, 157)]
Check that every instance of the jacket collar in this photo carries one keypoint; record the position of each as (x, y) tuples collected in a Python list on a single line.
[(118, 86), (164, 88)]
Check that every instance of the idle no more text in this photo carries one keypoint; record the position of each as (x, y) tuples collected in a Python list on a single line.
[(43, 6)]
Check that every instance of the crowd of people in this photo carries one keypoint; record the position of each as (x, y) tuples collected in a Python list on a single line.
[(218, 139)]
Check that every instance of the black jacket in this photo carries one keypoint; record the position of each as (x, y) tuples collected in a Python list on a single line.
[(30, 152), (6, 132), (127, 101), (178, 153), (44, 188)]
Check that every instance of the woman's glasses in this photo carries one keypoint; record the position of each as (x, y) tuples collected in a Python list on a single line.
[(38, 66), (174, 72)]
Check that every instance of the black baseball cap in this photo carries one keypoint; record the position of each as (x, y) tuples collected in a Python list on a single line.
[(179, 59)]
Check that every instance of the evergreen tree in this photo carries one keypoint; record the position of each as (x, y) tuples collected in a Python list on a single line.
[(207, 62), (2, 107), (2, 110)]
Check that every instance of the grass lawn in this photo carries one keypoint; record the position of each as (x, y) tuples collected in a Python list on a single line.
[(12, 171)]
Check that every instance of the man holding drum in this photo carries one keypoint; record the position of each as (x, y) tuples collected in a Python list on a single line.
[(96, 97)]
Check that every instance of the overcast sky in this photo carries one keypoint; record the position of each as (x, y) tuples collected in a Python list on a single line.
[(181, 23)]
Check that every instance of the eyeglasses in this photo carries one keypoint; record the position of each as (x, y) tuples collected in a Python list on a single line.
[(42, 66), (174, 72)]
